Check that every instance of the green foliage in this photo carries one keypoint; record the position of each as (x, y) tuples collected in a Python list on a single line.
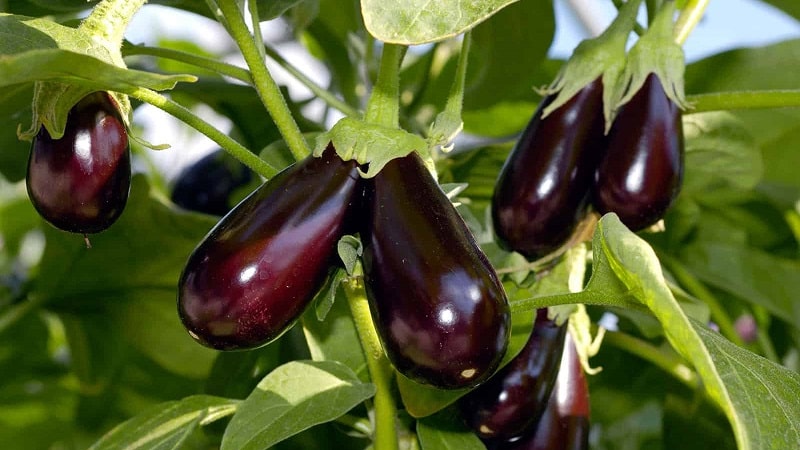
[(94, 355)]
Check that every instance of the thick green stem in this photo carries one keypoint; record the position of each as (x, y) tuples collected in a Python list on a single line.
[(231, 146), (722, 101), (637, 28), (698, 289), (689, 18), (108, 20), (667, 360), (266, 87), (380, 371), (383, 107)]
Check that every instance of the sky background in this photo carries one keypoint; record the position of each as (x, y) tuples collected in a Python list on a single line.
[(727, 24)]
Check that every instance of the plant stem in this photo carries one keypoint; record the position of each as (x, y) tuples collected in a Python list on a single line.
[(266, 87), (108, 20), (701, 292), (380, 371), (689, 18), (455, 99), (721, 101), (586, 297), (236, 149), (383, 107), (637, 28), (666, 360), (318, 90), (213, 65)]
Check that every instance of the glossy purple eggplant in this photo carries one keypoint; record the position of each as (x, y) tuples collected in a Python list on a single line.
[(512, 401), (260, 266), (438, 306), (565, 423), (641, 173), (80, 183), (542, 190), (208, 185)]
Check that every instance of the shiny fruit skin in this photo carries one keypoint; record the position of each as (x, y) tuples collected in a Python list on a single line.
[(511, 402), (80, 183), (207, 185), (641, 173), (259, 267), (542, 189), (565, 423), (438, 306)]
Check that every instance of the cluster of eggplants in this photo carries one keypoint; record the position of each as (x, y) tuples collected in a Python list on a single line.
[(563, 162), (80, 182), (439, 308), (512, 401), (208, 184)]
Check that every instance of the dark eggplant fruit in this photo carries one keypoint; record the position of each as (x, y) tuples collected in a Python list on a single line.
[(438, 306), (542, 190), (641, 173), (255, 272), (80, 183), (207, 185), (513, 400), (565, 423)]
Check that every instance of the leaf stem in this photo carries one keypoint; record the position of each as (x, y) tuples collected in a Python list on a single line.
[(380, 370), (586, 297), (720, 101), (236, 149), (219, 67), (322, 93), (701, 292), (265, 85), (689, 18), (383, 107), (637, 27), (668, 361)]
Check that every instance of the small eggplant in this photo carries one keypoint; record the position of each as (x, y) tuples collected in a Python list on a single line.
[(207, 185), (511, 402), (641, 173), (438, 306), (80, 183), (542, 190), (260, 266)]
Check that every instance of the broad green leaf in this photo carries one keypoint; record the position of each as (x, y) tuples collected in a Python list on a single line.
[(446, 431), (620, 254), (750, 274), (420, 21), (507, 50), (500, 120), (335, 338), (131, 272), (166, 426), (294, 397), (719, 152), (268, 10)]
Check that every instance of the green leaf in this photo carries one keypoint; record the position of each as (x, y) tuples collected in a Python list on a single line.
[(15, 109), (719, 152), (294, 397), (166, 426), (742, 392), (750, 274), (419, 21), (270, 9), (132, 270), (446, 431), (507, 50), (499, 120), (350, 249)]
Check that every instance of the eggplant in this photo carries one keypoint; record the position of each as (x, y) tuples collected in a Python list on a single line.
[(80, 182), (641, 173), (565, 423), (256, 271), (511, 402), (542, 191), (208, 185), (438, 306)]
